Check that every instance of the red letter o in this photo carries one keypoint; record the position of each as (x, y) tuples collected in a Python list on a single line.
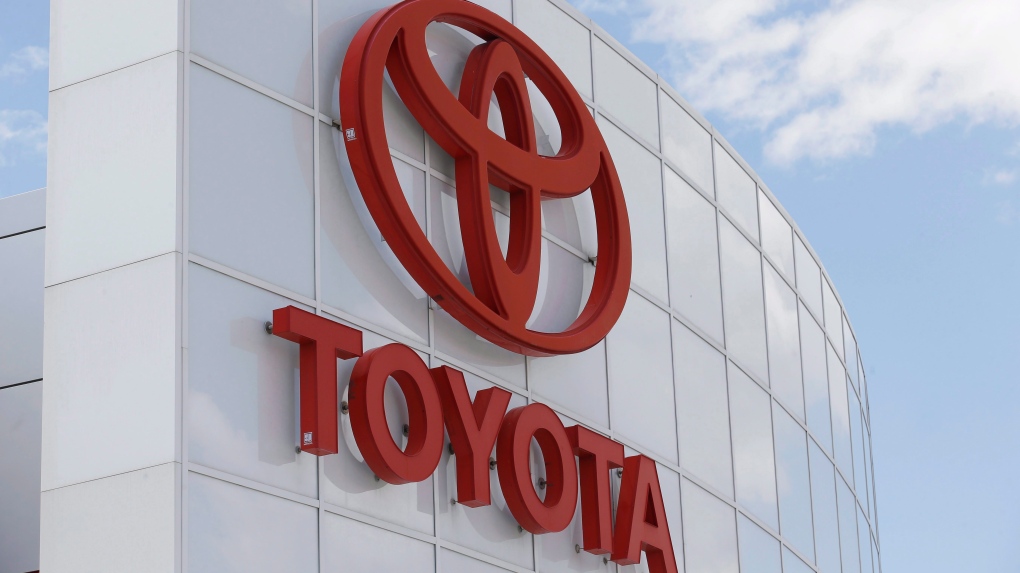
[(513, 449), (368, 414)]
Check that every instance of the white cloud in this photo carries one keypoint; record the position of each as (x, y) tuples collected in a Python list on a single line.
[(21, 130), (821, 79), (1001, 177), (25, 60)]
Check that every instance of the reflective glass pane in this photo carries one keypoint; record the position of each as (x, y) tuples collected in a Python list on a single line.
[(686, 143), (823, 498), (710, 534), (233, 33), (857, 439), (816, 379), (562, 37), (641, 177), (809, 276), (242, 385), (784, 342), (847, 528), (743, 306), (349, 545), (639, 349), (345, 479), (627, 93), (840, 415), (736, 191), (793, 564), (702, 410), (776, 236), (233, 529), (453, 562), (360, 274), (490, 529), (759, 551), (754, 469), (833, 317), (248, 177), (693, 256), (864, 537), (850, 352), (793, 482), (577, 381)]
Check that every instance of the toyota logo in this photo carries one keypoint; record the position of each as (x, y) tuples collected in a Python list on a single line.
[(505, 288)]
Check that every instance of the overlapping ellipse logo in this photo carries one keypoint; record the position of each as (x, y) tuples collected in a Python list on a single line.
[(504, 288)]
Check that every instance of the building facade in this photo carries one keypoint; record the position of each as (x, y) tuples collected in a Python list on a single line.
[(199, 179)]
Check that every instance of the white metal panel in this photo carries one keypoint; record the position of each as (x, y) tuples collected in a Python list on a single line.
[(111, 369), (113, 170), (93, 37), (120, 524)]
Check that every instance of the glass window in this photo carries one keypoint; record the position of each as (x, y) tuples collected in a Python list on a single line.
[(349, 545), (710, 534), (754, 469), (847, 528), (346, 481), (246, 177), (686, 143), (626, 93), (232, 33), (793, 564), (453, 562), (233, 529), (759, 551), (743, 306), (575, 380), (793, 482), (242, 403), (784, 342), (736, 191), (562, 37), (833, 317), (693, 256), (816, 379), (866, 447), (702, 409), (639, 349), (840, 415), (809, 277), (864, 537), (360, 273), (850, 352), (491, 529), (641, 177), (776, 235), (857, 439), (823, 505)]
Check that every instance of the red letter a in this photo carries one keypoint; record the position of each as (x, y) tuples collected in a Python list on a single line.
[(473, 429), (641, 519)]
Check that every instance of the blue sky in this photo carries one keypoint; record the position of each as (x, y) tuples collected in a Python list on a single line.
[(890, 130)]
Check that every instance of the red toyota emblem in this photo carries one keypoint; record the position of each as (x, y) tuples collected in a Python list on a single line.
[(505, 289)]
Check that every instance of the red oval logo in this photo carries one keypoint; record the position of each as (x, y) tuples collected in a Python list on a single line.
[(505, 288)]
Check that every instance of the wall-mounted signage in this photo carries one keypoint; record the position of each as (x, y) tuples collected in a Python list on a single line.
[(504, 289), (437, 400), (577, 460)]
